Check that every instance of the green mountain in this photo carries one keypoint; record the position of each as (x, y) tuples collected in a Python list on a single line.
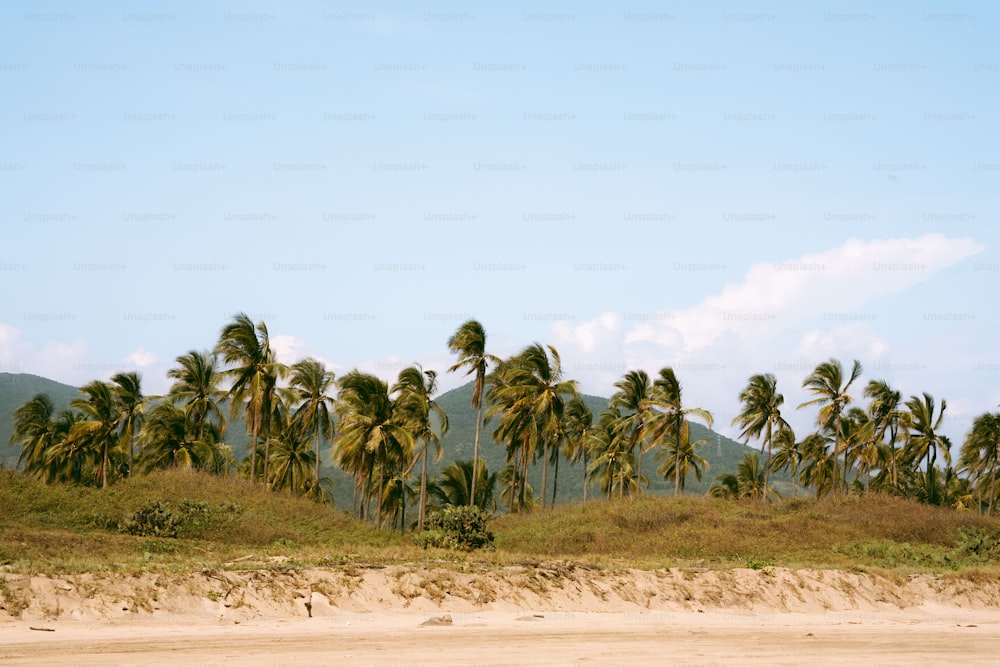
[(722, 453)]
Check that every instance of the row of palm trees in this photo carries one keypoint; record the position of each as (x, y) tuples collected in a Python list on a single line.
[(890, 446), (382, 435)]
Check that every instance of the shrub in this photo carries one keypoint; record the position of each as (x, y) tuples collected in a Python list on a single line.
[(153, 520), (976, 544), (457, 527)]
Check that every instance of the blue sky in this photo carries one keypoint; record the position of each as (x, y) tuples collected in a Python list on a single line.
[(725, 189)]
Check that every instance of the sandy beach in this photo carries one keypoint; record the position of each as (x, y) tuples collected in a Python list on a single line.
[(549, 614)]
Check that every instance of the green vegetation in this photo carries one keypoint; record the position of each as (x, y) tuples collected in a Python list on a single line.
[(380, 436), (229, 523), (457, 527)]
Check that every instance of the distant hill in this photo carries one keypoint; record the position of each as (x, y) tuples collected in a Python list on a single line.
[(722, 453), (16, 389)]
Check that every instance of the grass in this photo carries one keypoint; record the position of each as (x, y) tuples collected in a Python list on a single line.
[(219, 523)]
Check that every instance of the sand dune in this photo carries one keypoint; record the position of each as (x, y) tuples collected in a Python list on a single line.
[(549, 613)]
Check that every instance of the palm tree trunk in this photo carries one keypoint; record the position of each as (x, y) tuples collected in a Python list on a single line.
[(402, 504), (545, 472), (767, 464), (104, 463), (475, 451), (316, 480), (585, 475), (555, 479), (422, 511), (638, 469), (524, 476), (253, 448)]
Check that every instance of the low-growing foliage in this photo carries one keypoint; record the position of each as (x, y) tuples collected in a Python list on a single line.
[(457, 527)]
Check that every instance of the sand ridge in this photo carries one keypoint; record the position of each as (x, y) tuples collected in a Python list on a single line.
[(539, 614)]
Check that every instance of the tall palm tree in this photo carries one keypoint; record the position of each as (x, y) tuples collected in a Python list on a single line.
[(98, 432), (469, 343), (454, 487), (196, 385), (827, 384), (131, 405), (254, 372), (668, 423), (530, 394), (578, 422), (888, 417), (371, 443), (311, 384), (924, 440), (980, 457), (632, 398), (761, 413), (857, 432), (419, 412), (35, 430)]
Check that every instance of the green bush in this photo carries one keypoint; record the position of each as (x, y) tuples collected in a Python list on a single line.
[(457, 527), (976, 544), (153, 520)]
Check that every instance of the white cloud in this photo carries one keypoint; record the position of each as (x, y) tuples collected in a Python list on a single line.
[(775, 295), (591, 352), (287, 348), (142, 358), (853, 340)]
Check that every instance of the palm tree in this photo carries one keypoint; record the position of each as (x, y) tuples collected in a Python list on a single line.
[(518, 494), (752, 478), (169, 441), (980, 456), (530, 394), (678, 457), (788, 454), (613, 466), (419, 411), (131, 406), (371, 438), (454, 487), (668, 423), (888, 418), (858, 433), (67, 459), (923, 439), (255, 372), (632, 398), (35, 431), (826, 382), (819, 469), (196, 385), (761, 413), (311, 383), (469, 343), (98, 431), (292, 457), (578, 422), (747, 482)]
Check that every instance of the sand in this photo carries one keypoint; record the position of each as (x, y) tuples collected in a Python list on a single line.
[(545, 614)]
